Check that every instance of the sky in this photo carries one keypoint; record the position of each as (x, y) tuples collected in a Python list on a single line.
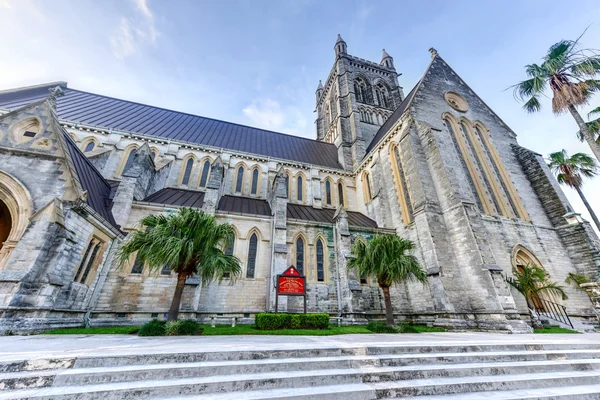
[(258, 62)]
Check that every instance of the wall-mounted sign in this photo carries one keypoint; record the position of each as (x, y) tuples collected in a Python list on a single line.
[(290, 283)]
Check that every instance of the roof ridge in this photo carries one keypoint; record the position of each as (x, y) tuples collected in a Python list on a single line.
[(30, 87), (198, 116)]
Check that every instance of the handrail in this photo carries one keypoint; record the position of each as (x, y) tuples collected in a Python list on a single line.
[(551, 310)]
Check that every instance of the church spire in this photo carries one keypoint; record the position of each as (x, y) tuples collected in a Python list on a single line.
[(319, 91), (340, 46), (387, 60)]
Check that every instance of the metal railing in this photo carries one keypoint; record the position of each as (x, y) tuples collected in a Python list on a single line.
[(552, 310)]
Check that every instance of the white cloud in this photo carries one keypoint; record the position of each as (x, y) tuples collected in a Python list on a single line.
[(267, 113), (134, 32)]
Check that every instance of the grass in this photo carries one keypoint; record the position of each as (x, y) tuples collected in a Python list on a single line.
[(554, 329), (228, 330), (108, 330)]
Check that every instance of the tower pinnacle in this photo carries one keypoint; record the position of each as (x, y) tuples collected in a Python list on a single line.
[(340, 46), (387, 60)]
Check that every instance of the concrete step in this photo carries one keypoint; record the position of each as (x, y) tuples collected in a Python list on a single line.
[(83, 376), (392, 381), (15, 365), (486, 384), (583, 392)]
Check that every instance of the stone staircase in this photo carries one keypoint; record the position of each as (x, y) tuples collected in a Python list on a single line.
[(514, 370)]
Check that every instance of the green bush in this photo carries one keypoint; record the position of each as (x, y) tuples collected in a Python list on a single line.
[(182, 327), (407, 329), (153, 328), (271, 321), (381, 327)]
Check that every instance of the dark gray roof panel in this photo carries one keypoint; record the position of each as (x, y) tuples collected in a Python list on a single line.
[(110, 113), (244, 205), (177, 197), (98, 189), (325, 215)]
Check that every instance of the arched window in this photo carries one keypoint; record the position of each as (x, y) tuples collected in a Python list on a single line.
[(83, 260), (90, 264), (320, 261), (360, 90), (287, 185), (341, 200), (154, 154), (188, 171), (130, 158), (254, 188), (252, 250), (239, 182), (300, 255), (300, 188), (138, 266), (366, 180), (205, 172), (229, 251), (328, 197), (381, 93), (89, 147), (401, 185)]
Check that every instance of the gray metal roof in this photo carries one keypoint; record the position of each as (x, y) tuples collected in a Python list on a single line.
[(325, 215), (98, 189), (92, 109), (177, 197), (244, 205)]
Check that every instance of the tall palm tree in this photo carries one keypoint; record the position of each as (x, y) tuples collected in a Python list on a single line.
[(571, 170), (388, 258), (531, 282), (570, 73), (593, 126), (190, 242)]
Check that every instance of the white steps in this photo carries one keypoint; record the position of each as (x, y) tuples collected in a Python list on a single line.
[(344, 373)]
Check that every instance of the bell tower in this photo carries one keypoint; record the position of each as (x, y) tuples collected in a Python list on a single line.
[(355, 100)]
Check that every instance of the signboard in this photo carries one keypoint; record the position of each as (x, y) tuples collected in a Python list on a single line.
[(290, 283)]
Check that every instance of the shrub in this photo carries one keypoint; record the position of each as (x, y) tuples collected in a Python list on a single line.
[(381, 327), (153, 328), (185, 327), (407, 329), (272, 321)]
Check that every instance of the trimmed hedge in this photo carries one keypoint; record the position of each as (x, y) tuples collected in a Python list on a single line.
[(153, 328), (183, 327), (271, 321)]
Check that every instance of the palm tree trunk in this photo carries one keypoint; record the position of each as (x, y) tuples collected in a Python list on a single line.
[(174, 310), (389, 313), (589, 138), (587, 205)]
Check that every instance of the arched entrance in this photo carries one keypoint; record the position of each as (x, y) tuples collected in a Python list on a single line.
[(15, 211), (5, 223), (521, 258)]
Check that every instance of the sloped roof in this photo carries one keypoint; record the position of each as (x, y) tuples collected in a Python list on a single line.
[(98, 189), (177, 197), (325, 215), (244, 205), (93, 109)]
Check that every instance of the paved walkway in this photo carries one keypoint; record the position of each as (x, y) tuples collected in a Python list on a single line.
[(45, 346)]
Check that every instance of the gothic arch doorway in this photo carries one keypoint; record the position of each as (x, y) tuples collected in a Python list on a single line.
[(15, 211), (521, 258)]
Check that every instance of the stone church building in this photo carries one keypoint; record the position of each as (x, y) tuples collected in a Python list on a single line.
[(78, 171)]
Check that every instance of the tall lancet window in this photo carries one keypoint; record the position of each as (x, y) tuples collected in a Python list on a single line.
[(341, 194), (401, 186), (320, 262), (188, 172), (328, 197), (300, 189), (254, 186), (239, 182), (300, 255), (252, 250), (205, 172)]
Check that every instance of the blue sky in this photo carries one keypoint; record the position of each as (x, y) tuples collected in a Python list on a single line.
[(258, 62)]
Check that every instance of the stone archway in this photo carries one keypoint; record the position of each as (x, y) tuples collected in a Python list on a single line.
[(15, 212), (523, 257)]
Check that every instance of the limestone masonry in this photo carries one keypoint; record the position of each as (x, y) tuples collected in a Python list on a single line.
[(437, 166)]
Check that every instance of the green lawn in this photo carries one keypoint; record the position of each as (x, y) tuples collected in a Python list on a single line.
[(228, 330), (109, 330), (554, 329)]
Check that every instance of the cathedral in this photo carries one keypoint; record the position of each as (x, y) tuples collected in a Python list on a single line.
[(437, 166)]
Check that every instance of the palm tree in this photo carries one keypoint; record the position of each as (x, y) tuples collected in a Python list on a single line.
[(531, 282), (388, 258), (571, 170), (190, 242), (569, 71)]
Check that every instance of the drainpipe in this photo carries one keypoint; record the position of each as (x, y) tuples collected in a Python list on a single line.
[(337, 278)]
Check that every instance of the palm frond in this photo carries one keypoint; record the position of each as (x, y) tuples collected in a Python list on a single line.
[(594, 112), (576, 279), (532, 105)]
